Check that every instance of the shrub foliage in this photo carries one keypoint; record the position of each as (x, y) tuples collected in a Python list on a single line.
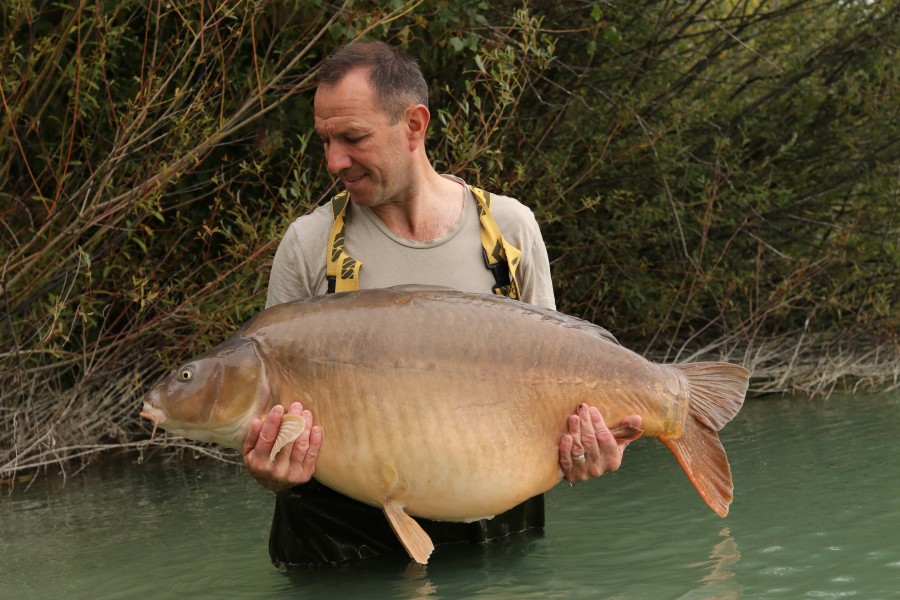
[(714, 179)]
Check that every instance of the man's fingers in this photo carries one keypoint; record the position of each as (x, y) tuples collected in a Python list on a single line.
[(575, 430), (597, 418), (591, 428), (301, 444), (590, 438), (602, 435), (269, 430), (565, 455), (252, 436), (299, 461), (284, 458), (316, 435), (295, 462)]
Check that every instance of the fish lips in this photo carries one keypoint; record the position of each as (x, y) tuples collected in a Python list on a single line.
[(154, 415)]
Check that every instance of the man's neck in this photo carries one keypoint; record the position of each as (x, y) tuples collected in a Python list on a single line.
[(430, 211)]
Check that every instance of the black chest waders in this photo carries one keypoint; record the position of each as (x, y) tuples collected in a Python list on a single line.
[(313, 525)]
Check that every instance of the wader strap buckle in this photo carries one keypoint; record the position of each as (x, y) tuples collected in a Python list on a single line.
[(500, 271)]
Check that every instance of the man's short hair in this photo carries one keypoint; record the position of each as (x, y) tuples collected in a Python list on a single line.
[(395, 76)]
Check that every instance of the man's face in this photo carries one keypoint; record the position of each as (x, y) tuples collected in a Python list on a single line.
[(370, 155)]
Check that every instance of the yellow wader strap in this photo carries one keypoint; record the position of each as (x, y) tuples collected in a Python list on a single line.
[(341, 269), (500, 257)]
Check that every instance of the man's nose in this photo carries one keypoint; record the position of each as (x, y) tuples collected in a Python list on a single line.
[(336, 157)]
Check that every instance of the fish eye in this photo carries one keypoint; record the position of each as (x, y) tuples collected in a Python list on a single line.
[(186, 373)]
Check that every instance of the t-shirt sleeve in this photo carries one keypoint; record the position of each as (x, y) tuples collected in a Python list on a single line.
[(518, 225), (298, 269), (536, 281)]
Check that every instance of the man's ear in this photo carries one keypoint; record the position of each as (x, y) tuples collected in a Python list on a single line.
[(417, 118)]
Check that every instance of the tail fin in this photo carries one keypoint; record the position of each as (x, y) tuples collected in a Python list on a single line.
[(716, 391)]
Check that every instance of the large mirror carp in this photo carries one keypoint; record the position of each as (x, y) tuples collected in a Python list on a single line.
[(442, 404)]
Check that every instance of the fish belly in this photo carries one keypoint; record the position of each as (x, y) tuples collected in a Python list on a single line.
[(445, 447), (453, 408)]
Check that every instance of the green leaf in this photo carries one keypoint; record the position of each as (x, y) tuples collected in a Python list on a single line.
[(612, 35)]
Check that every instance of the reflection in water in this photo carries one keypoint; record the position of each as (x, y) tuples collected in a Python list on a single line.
[(719, 583), (811, 518), (723, 555), (415, 584)]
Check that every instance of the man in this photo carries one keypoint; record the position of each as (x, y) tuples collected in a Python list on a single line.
[(403, 223)]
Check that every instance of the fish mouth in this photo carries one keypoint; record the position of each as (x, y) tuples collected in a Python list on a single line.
[(155, 416)]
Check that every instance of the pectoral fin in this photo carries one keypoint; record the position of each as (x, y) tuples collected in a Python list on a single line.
[(627, 432), (291, 428), (410, 533)]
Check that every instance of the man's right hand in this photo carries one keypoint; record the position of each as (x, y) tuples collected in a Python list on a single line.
[(295, 463)]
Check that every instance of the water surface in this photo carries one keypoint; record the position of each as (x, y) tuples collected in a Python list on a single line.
[(816, 515)]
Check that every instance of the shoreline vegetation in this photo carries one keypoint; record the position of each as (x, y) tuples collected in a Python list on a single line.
[(715, 181)]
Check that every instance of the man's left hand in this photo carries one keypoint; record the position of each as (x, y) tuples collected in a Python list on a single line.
[(590, 438)]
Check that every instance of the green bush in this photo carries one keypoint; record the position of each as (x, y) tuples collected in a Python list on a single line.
[(713, 179)]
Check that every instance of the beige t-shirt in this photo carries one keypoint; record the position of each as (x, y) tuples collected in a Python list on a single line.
[(455, 260)]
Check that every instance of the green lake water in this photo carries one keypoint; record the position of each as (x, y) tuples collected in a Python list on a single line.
[(816, 515)]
